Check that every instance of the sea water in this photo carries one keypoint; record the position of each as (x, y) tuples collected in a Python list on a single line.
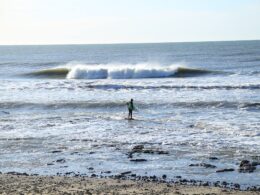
[(193, 100)]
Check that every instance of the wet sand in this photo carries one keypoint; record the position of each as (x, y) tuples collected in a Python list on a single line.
[(20, 184)]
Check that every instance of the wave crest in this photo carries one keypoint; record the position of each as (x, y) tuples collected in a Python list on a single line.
[(117, 71)]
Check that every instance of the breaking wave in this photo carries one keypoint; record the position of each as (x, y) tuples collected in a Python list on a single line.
[(126, 71)]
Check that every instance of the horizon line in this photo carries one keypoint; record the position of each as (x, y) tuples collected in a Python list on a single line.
[(127, 43)]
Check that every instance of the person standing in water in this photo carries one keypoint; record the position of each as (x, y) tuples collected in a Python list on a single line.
[(130, 106)]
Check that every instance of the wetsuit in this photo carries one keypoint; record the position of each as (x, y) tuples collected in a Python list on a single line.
[(130, 109)]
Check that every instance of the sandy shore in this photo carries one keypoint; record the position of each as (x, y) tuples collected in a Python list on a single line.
[(14, 184)]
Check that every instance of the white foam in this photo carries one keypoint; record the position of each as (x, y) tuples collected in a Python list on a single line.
[(119, 71)]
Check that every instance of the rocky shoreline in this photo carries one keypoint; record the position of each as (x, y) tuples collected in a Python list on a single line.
[(22, 183), (129, 176), (245, 166)]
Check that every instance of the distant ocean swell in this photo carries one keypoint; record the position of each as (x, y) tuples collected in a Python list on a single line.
[(142, 105), (114, 71)]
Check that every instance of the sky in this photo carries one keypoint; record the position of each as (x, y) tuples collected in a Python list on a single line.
[(127, 21)]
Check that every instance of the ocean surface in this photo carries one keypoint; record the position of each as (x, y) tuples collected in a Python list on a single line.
[(193, 100)]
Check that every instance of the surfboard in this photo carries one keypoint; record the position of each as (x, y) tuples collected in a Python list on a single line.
[(129, 119)]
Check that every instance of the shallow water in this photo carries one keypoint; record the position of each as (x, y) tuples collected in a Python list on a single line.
[(81, 112)]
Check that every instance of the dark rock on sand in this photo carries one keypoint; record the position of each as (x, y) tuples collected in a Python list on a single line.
[(125, 173), (70, 173), (205, 184), (246, 167), (50, 164), (225, 170), (17, 173), (164, 176), (138, 160), (237, 186), (202, 165), (224, 183), (90, 168)]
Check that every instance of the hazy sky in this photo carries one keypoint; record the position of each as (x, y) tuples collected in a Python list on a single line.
[(124, 21)]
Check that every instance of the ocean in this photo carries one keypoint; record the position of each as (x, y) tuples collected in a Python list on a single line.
[(63, 109)]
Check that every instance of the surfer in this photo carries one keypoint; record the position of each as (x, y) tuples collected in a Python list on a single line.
[(130, 106)]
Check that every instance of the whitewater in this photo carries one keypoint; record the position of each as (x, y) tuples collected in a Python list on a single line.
[(119, 71), (197, 102)]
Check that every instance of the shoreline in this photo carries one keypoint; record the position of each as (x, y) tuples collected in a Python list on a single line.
[(22, 183)]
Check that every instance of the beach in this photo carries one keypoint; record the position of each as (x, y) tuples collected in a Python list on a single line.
[(13, 184)]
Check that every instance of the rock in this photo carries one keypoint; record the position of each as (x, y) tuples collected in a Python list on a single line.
[(224, 183), (61, 160), (213, 158), (69, 173), (148, 151), (237, 186), (163, 152), (244, 162), (50, 164), (56, 151), (5, 112), (107, 172), (203, 165), (90, 168), (225, 170), (179, 177), (205, 184), (246, 167), (255, 163), (125, 173), (16, 173), (164, 176), (130, 155), (138, 148), (138, 160), (74, 153)]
